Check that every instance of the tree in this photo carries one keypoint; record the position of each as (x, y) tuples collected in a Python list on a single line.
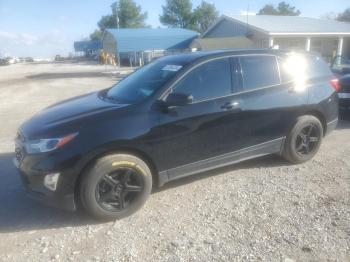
[(96, 35), (345, 16), (203, 16), (268, 10), (125, 14), (107, 21), (329, 16), (286, 9), (177, 13), (283, 8), (130, 15)]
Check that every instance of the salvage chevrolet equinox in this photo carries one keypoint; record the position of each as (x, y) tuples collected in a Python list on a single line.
[(177, 116)]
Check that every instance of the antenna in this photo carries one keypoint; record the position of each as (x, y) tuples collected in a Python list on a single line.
[(247, 14), (117, 14)]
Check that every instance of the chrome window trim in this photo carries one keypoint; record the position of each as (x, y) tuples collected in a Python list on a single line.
[(279, 76), (170, 89)]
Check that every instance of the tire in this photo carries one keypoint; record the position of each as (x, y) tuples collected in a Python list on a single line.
[(295, 149), (115, 187)]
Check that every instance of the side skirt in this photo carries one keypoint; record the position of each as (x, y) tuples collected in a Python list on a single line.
[(270, 147), (331, 126)]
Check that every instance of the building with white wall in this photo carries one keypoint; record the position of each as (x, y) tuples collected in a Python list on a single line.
[(327, 37)]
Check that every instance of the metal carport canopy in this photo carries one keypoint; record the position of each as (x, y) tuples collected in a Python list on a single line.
[(138, 40)]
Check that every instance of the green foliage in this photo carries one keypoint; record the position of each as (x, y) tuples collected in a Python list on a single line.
[(177, 13), (130, 15), (345, 16), (127, 13), (268, 10), (286, 9), (96, 35), (204, 16), (283, 8)]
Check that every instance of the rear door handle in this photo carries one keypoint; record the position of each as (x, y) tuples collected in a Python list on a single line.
[(230, 105)]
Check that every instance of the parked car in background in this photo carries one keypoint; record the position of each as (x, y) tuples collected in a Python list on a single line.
[(59, 58), (11, 60), (4, 62), (29, 59), (344, 92), (175, 117), (340, 66)]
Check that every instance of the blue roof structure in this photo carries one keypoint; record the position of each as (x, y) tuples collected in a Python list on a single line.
[(83, 46), (147, 39)]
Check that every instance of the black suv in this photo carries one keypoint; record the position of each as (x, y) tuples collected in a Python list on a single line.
[(175, 117)]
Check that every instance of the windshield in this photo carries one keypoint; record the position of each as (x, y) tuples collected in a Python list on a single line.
[(145, 81)]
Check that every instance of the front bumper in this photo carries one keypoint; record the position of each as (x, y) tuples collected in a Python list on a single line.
[(33, 180)]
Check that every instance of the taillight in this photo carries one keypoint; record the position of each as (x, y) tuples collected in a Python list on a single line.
[(335, 84)]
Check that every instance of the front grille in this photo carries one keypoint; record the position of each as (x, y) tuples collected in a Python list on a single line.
[(20, 137), (19, 154), (19, 147)]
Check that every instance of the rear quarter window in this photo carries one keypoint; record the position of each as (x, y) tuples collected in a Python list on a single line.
[(307, 66), (317, 67)]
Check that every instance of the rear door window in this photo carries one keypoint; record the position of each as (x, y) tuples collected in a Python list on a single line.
[(208, 81), (259, 71)]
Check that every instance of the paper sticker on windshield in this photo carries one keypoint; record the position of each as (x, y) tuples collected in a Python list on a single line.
[(173, 68)]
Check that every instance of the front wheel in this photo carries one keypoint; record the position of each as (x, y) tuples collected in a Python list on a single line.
[(115, 187), (304, 140)]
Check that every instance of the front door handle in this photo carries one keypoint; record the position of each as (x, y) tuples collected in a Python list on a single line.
[(230, 105)]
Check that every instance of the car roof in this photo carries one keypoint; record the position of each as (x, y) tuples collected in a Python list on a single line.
[(203, 55)]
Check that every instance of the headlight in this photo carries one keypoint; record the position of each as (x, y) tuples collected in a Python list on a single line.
[(47, 145)]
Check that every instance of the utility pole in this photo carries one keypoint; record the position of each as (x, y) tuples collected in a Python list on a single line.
[(115, 8)]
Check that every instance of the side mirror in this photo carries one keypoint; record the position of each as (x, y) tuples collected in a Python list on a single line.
[(178, 99)]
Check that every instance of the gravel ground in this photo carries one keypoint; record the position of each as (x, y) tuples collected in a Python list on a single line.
[(259, 210)]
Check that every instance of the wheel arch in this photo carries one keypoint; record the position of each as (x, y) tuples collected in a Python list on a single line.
[(314, 113), (320, 117)]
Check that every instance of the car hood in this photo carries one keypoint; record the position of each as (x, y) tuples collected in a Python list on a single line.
[(71, 113)]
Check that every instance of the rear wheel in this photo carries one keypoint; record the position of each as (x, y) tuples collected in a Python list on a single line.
[(116, 186), (304, 140)]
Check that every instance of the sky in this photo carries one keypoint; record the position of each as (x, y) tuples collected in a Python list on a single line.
[(44, 28)]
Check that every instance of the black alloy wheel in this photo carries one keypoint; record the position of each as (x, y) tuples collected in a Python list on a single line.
[(115, 186), (304, 140), (307, 140), (118, 189)]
